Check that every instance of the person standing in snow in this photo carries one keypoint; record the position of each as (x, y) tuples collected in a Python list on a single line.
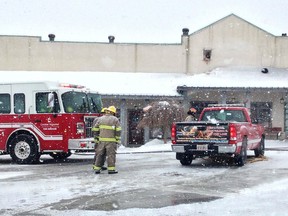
[(96, 139), (108, 129), (191, 115)]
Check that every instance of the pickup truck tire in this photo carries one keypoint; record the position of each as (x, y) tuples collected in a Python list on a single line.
[(240, 160), (261, 149), (185, 159)]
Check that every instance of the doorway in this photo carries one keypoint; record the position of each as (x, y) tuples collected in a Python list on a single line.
[(136, 136)]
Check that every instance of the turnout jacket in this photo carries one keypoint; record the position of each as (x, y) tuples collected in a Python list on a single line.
[(107, 129)]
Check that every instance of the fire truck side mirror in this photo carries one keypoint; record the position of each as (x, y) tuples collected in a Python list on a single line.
[(50, 100)]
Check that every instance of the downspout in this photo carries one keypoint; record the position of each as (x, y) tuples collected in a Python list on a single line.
[(248, 100), (223, 97), (124, 122), (285, 116), (185, 43)]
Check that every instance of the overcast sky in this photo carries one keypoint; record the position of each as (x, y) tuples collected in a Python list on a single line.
[(148, 21)]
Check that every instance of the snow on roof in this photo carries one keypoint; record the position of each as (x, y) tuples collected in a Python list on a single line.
[(241, 77), (108, 83), (157, 84)]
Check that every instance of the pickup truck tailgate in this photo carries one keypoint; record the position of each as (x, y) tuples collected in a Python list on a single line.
[(202, 138), (201, 132)]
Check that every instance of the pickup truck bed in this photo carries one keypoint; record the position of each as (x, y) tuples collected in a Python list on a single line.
[(230, 137)]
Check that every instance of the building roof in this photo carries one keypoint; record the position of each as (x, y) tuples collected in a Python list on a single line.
[(241, 77), (229, 17), (139, 85), (107, 83)]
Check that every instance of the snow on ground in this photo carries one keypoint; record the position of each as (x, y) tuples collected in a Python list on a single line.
[(263, 200), (266, 199)]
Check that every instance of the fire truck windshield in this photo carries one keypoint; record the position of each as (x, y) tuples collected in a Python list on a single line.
[(80, 102), (95, 102)]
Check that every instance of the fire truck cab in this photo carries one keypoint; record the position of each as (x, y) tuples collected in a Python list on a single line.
[(46, 118)]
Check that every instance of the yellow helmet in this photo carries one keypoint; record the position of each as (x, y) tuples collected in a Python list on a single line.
[(103, 110), (112, 109), (69, 109)]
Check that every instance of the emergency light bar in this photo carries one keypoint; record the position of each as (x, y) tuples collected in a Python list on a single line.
[(65, 85), (226, 105)]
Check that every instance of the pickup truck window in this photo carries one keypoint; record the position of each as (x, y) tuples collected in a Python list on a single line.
[(224, 115)]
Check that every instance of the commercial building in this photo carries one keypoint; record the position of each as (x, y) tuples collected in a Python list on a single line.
[(231, 45)]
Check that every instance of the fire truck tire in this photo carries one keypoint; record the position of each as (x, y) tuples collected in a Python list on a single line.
[(24, 149), (60, 155)]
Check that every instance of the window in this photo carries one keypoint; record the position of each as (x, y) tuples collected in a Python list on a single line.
[(75, 102), (224, 115), (95, 102), (42, 103), (5, 103), (261, 112), (19, 103), (207, 54)]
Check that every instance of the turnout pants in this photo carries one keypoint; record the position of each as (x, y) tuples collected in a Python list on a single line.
[(106, 149)]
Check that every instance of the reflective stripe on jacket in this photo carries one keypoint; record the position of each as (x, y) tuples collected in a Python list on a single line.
[(107, 128), (95, 131)]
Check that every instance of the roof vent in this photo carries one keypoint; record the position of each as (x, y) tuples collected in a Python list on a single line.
[(185, 31), (111, 39), (264, 70), (51, 37)]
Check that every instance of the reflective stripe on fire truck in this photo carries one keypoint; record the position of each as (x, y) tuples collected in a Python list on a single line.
[(33, 128)]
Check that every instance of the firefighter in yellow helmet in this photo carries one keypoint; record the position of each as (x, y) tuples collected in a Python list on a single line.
[(108, 130), (96, 138)]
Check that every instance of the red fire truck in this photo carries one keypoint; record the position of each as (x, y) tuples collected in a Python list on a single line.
[(46, 118)]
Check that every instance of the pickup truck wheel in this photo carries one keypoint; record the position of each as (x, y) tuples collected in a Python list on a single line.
[(240, 160), (24, 149), (185, 159), (261, 149)]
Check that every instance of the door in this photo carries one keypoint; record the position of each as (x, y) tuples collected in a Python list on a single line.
[(136, 136)]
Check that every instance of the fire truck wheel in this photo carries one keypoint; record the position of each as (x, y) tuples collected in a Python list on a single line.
[(24, 149), (60, 155)]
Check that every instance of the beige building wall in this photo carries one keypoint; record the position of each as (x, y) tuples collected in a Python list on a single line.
[(281, 52), (232, 40), (30, 53)]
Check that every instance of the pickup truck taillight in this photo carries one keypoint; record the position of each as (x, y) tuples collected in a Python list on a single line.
[(173, 133), (232, 134)]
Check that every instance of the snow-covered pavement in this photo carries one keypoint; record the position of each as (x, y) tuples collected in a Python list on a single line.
[(58, 191), (158, 146)]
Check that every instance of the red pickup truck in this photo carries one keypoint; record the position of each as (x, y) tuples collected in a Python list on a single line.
[(223, 131)]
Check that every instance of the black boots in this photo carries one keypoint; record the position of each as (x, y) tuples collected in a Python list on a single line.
[(109, 171), (112, 171)]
